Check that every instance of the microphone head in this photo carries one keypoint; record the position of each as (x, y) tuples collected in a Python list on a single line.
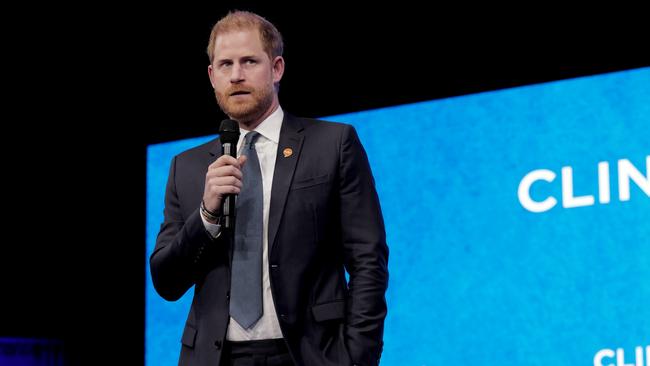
[(229, 131)]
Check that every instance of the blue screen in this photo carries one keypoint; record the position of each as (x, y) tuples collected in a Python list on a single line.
[(518, 223)]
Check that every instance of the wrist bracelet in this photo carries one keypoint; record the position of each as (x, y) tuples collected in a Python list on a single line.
[(211, 216)]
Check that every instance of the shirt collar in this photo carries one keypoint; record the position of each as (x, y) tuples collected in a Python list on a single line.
[(269, 128)]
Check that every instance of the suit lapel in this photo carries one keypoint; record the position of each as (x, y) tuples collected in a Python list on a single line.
[(290, 138), (215, 150)]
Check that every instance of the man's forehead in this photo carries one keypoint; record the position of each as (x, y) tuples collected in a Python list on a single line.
[(239, 39)]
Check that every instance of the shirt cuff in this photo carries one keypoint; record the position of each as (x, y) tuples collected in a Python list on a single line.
[(213, 229)]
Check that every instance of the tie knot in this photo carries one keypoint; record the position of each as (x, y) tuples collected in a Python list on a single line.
[(250, 138)]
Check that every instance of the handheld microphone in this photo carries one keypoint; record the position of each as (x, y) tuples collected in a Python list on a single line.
[(229, 135)]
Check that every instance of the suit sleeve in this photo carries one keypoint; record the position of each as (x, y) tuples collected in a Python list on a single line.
[(365, 252), (176, 260)]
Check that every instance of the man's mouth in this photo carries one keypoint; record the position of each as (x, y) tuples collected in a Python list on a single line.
[(241, 92)]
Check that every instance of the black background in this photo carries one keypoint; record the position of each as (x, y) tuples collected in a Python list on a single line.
[(89, 88)]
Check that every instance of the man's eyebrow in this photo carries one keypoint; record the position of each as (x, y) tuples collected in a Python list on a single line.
[(245, 57)]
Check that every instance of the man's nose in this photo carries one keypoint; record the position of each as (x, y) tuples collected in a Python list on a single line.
[(237, 74)]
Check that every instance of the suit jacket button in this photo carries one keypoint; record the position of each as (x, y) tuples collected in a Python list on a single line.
[(228, 295), (217, 344)]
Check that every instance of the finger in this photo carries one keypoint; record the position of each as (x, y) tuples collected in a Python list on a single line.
[(224, 160), (224, 190), (226, 181), (226, 171), (223, 171), (242, 159)]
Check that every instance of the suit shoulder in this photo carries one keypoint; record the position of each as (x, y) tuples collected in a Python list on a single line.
[(199, 151), (320, 126), (320, 123)]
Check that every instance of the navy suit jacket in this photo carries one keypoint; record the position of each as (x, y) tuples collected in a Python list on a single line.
[(324, 218)]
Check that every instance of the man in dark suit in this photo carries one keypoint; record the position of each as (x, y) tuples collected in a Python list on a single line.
[(281, 297)]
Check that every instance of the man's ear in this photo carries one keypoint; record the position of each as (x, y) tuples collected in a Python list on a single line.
[(278, 68), (210, 72)]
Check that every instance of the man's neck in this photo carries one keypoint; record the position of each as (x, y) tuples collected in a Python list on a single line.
[(251, 125)]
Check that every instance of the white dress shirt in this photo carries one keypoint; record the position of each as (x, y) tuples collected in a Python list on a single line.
[(267, 326)]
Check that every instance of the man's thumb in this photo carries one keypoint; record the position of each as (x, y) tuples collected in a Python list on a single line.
[(242, 159)]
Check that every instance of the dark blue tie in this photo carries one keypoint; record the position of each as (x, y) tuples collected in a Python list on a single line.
[(246, 279)]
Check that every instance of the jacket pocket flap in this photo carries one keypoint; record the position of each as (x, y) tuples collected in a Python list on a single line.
[(329, 311), (309, 182), (189, 335)]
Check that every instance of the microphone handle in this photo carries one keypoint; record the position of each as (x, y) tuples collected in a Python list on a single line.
[(228, 209)]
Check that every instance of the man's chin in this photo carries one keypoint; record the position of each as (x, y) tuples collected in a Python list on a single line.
[(244, 111), (239, 111)]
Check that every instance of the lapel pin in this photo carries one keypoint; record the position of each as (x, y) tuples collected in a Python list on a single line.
[(287, 152)]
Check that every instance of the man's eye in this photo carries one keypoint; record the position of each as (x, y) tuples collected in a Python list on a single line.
[(251, 62)]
